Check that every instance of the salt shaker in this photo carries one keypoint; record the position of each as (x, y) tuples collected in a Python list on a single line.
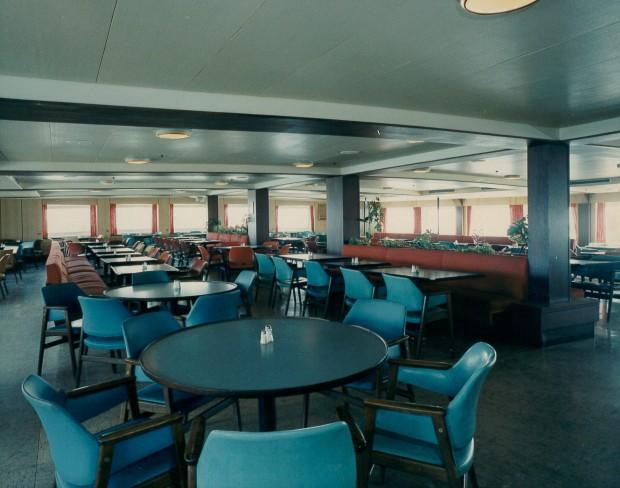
[(144, 266)]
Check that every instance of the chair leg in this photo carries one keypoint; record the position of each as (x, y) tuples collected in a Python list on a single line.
[(71, 351), (237, 409), (418, 346), (304, 307), (113, 356), (306, 409), (288, 300), (78, 374), (451, 326), (42, 344)]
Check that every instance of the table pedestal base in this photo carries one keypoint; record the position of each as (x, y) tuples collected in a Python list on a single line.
[(267, 414)]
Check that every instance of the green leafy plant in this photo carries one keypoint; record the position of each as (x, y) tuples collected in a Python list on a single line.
[(376, 214), (359, 241), (214, 224), (518, 232)]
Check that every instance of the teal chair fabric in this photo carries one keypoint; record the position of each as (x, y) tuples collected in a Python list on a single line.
[(318, 287), (316, 457), (102, 320), (246, 281), (286, 281), (386, 319), (75, 450), (356, 286), (214, 308), (413, 435), (266, 273), (149, 277)]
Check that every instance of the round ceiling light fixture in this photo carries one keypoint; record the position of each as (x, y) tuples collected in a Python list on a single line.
[(173, 134), (137, 160), (349, 152), (415, 141), (303, 164), (423, 169), (512, 177), (493, 7)]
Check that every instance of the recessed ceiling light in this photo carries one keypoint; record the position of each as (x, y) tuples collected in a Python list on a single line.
[(387, 187), (415, 141), (512, 177), (137, 160), (490, 7), (173, 135), (303, 164), (109, 181), (423, 169), (221, 183), (241, 178), (349, 152)]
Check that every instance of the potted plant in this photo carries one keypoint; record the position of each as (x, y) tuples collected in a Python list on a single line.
[(517, 232)]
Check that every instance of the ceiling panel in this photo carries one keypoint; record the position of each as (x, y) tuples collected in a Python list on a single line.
[(62, 39)]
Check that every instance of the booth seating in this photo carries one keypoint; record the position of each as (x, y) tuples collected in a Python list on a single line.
[(228, 239), (476, 300), (75, 269)]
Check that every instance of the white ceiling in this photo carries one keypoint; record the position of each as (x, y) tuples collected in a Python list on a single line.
[(550, 66)]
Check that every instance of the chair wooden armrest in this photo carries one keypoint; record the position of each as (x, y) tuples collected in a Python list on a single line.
[(420, 363), (132, 361), (195, 441), (54, 307), (403, 407), (400, 340), (127, 381), (359, 441), (141, 428)]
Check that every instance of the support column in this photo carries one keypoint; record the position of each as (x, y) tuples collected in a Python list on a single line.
[(548, 207), (550, 316), (583, 224), (212, 209), (459, 220), (258, 216), (343, 211)]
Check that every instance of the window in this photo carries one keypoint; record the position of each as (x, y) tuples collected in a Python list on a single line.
[(612, 217), (490, 220), (236, 214), (68, 220), (188, 217), (447, 220), (294, 218), (134, 218), (399, 220)]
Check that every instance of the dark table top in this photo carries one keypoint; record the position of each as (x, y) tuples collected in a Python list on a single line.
[(137, 268), (161, 292), (311, 257), (122, 260), (424, 274), (117, 250), (227, 359), (102, 244), (361, 263), (228, 248)]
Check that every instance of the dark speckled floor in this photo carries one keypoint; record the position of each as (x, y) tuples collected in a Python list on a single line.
[(547, 418)]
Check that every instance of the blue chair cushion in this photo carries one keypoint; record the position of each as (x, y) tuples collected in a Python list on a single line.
[(413, 437), (111, 343)]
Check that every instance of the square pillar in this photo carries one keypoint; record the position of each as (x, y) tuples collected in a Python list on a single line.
[(583, 224), (548, 207), (212, 209), (258, 215), (459, 220), (343, 211)]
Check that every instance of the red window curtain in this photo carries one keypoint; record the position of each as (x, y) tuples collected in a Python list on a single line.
[(312, 218), (516, 213), (171, 218), (417, 220), (277, 207), (225, 215), (154, 218), (385, 219), (93, 220), (44, 220), (573, 211), (467, 226), (113, 229), (600, 222)]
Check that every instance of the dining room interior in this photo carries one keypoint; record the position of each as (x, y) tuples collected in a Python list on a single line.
[(275, 243)]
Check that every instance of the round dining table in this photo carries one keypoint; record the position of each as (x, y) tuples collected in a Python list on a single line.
[(226, 359), (166, 292)]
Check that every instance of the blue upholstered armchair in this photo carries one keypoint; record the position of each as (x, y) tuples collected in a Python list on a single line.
[(124, 455)]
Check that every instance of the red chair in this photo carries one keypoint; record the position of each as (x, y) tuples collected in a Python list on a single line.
[(74, 249), (240, 258), (284, 249)]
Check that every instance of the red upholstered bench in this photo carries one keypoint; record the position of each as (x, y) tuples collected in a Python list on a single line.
[(77, 269)]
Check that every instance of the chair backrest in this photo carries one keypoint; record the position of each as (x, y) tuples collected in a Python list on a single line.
[(284, 249), (311, 458), (265, 265), (387, 319), (197, 268), (73, 449), (241, 256), (103, 317), (284, 273), (74, 249), (140, 330), (245, 281), (470, 371), (64, 295), (165, 257), (316, 274), (4, 262), (356, 285), (204, 253), (149, 277), (214, 308), (403, 290)]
